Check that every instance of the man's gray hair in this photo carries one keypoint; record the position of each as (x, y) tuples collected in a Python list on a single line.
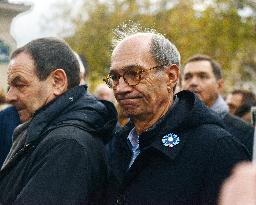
[(163, 51)]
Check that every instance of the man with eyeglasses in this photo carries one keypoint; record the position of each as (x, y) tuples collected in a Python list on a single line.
[(173, 150)]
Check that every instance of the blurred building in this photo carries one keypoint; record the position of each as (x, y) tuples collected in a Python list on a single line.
[(7, 43)]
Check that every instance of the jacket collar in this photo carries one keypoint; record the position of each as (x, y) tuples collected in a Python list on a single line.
[(52, 110), (187, 113), (168, 126)]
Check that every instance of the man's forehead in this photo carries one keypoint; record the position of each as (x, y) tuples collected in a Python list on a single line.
[(20, 68), (237, 97), (22, 61), (132, 51), (140, 41), (198, 67)]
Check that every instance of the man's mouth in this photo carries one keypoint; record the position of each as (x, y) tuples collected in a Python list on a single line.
[(128, 101), (195, 91)]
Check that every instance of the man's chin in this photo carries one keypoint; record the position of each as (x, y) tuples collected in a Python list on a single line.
[(129, 113), (198, 95), (24, 116)]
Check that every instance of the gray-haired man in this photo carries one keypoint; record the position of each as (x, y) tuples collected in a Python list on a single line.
[(173, 151)]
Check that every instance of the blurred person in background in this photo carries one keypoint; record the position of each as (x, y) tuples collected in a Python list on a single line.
[(202, 75), (240, 103), (103, 92), (9, 120), (83, 65), (3, 103)]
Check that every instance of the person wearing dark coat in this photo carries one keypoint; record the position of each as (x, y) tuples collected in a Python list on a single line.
[(202, 75), (58, 155), (240, 129), (9, 120), (174, 150)]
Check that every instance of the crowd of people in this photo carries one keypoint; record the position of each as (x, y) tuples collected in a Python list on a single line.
[(60, 144)]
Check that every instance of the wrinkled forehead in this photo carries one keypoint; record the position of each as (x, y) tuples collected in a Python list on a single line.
[(23, 59), (21, 64), (133, 50)]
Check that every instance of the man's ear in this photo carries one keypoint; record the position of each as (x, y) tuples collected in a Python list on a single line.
[(59, 81), (173, 73), (220, 83)]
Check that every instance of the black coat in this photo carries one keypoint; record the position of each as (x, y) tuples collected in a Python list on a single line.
[(189, 173), (241, 130), (63, 160)]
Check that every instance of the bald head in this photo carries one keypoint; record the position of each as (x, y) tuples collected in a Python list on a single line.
[(160, 48), (103, 92), (137, 45), (137, 40)]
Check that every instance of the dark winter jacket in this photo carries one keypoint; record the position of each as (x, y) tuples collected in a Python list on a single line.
[(9, 120), (186, 169), (62, 160), (240, 129)]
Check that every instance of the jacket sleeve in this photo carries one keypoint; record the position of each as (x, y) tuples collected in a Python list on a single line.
[(65, 174), (226, 153)]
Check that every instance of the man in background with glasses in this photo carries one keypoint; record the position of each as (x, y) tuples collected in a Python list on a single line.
[(173, 150)]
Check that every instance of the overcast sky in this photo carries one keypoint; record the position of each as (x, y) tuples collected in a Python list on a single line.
[(28, 26)]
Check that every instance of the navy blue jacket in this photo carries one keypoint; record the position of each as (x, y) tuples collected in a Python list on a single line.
[(63, 160), (190, 171), (9, 120)]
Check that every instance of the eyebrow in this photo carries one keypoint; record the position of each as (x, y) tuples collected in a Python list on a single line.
[(196, 73), (125, 68), (16, 80)]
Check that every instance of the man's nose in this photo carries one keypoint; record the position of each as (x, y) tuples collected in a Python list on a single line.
[(122, 86), (194, 81), (11, 95)]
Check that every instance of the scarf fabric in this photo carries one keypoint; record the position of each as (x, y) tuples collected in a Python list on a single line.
[(220, 107), (19, 139)]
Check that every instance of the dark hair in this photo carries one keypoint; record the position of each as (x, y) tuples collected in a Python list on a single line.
[(248, 100), (50, 54), (216, 68)]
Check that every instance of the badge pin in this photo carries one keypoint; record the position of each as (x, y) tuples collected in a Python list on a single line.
[(170, 140)]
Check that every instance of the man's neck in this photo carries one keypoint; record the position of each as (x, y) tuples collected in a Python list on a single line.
[(143, 123)]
